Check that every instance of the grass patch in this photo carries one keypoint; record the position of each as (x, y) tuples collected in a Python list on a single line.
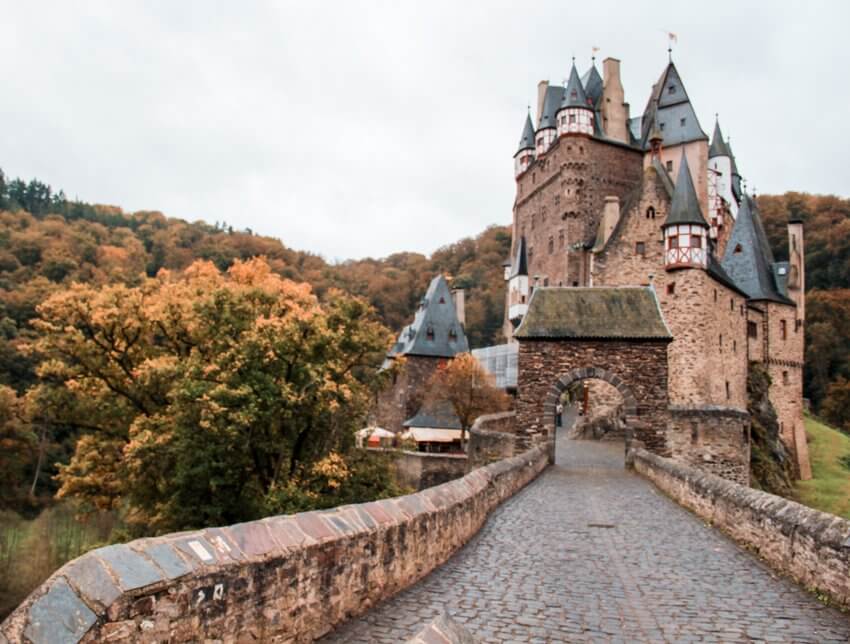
[(30, 550), (829, 488)]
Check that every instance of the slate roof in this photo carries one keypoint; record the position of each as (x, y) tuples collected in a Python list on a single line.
[(520, 263), (622, 313), (551, 104), (752, 267), (438, 415), (736, 176), (574, 94), (670, 107), (437, 313), (718, 145), (592, 83), (685, 208), (526, 141)]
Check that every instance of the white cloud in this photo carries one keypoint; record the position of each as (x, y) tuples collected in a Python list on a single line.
[(368, 128)]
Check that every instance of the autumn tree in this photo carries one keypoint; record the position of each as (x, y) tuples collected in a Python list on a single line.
[(469, 388), (201, 395)]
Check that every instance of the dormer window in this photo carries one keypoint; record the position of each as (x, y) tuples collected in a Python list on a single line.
[(452, 335), (671, 89), (429, 334), (661, 126), (442, 300), (682, 121), (738, 248)]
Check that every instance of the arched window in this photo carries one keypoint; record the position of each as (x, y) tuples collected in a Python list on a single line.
[(650, 213)]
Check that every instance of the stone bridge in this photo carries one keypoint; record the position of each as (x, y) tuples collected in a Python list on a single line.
[(591, 551), (584, 550)]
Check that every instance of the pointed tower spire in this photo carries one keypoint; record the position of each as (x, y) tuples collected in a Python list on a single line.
[(525, 153), (685, 208), (575, 115), (685, 229), (574, 94), (718, 145)]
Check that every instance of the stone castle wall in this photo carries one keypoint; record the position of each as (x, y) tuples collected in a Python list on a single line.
[(810, 546), (715, 440), (421, 470), (785, 366), (492, 438), (402, 397), (286, 578), (559, 202)]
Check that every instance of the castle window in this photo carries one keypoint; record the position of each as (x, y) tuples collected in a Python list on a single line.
[(540, 142), (522, 299), (715, 295), (452, 335), (442, 300), (783, 329), (640, 248), (671, 288), (650, 213), (669, 166), (732, 304), (560, 239), (696, 241), (557, 199), (671, 89), (661, 126), (545, 281), (720, 342), (673, 242), (551, 245), (682, 121), (429, 333), (572, 118), (533, 177), (785, 379), (752, 330), (798, 324), (738, 248), (734, 346), (728, 391)]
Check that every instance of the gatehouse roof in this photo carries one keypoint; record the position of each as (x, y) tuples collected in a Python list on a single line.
[(594, 313)]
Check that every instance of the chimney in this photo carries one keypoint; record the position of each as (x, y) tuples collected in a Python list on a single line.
[(459, 299), (542, 86), (610, 217), (614, 107)]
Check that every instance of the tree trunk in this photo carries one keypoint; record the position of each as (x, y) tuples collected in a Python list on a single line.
[(41, 440)]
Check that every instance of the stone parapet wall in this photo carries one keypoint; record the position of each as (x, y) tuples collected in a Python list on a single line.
[(420, 470), (492, 438), (810, 546), (713, 439), (287, 578)]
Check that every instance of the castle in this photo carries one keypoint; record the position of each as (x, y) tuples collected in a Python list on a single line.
[(604, 199), (607, 203)]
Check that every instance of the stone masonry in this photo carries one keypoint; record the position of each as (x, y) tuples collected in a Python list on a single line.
[(286, 578), (638, 369)]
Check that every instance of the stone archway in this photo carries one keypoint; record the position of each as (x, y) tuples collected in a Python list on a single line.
[(612, 334)]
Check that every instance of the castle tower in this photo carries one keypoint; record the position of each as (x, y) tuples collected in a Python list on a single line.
[(518, 286), (721, 199), (685, 229), (670, 108), (575, 115), (547, 128), (525, 153)]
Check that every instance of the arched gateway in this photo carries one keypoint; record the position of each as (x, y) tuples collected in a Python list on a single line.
[(612, 334)]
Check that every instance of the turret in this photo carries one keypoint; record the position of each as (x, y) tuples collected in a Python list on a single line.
[(797, 267), (525, 153), (547, 129), (518, 291), (575, 115), (685, 229), (721, 198)]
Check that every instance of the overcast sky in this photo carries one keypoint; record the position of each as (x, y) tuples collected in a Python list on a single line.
[(365, 128)]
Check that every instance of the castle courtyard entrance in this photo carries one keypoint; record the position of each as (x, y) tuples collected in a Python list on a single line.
[(614, 335)]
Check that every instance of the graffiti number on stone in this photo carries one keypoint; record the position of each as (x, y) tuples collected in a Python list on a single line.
[(218, 592), (201, 597)]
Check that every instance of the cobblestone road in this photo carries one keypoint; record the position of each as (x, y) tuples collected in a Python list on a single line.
[(591, 552)]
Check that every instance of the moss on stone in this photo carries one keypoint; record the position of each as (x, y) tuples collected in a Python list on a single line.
[(771, 468)]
